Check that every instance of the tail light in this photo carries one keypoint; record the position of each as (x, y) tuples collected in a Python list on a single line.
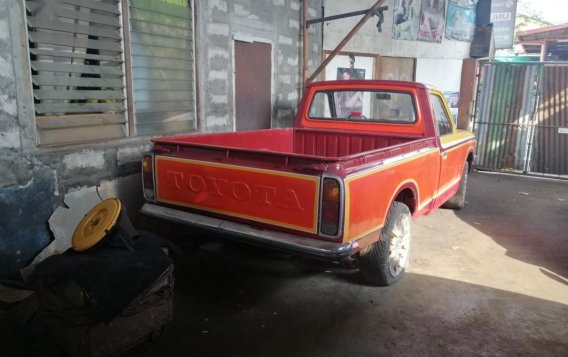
[(148, 177), (330, 217)]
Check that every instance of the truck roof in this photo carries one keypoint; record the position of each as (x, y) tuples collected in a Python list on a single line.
[(369, 82)]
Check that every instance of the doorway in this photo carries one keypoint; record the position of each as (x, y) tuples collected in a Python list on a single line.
[(253, 85)]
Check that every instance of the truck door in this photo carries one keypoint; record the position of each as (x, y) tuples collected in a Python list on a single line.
[(451, 163)]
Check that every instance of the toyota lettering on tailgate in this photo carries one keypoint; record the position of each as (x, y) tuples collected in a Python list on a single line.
[(280, 198)]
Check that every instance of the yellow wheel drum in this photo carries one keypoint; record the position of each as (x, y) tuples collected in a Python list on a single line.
[(96, 224)]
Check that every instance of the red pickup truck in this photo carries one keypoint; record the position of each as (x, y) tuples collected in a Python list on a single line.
[(363, 159)]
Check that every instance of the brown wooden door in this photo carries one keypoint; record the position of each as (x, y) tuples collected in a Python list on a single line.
[(253, 75)]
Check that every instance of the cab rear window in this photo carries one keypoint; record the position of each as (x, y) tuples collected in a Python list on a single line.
[(363, 105)]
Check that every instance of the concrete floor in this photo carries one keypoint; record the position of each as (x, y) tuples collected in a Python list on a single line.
[(490, 280)]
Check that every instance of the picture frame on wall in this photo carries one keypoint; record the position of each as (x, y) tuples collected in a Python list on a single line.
[(340, 66)]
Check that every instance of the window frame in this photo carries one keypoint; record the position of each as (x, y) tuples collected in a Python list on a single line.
[(330, 94)]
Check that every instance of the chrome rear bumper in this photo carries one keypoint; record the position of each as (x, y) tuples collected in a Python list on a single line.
[(254, 235)]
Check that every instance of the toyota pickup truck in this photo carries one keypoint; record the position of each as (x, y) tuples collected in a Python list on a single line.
[(364, 158)]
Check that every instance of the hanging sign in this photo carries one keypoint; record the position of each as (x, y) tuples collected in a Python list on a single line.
[(503, 14)]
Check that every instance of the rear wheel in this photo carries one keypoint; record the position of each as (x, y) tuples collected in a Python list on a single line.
[(383, 263), (457, 201)]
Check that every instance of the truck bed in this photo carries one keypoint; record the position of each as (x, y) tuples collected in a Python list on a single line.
[(314, 144)]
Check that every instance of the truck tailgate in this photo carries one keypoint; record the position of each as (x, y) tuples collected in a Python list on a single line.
[(279, 198)]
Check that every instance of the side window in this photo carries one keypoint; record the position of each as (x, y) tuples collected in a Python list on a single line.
[(442, 119), (320, 106)]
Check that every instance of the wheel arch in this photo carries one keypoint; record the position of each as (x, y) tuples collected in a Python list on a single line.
[(469, 160), (407, 193)]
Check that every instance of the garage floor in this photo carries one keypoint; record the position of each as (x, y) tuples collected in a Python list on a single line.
[(490, 280)]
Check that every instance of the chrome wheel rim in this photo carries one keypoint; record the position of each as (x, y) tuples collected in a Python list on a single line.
[(399, 246)]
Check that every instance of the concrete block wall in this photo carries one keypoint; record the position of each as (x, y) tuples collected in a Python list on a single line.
[(9, 128), (33, 185), (277, 22)]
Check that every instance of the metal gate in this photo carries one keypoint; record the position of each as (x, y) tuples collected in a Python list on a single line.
[(521, 119)]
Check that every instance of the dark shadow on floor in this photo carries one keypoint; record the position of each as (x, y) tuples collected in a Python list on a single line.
[(235, 300)]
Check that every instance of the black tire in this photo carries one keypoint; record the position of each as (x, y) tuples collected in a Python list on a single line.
[(375, 263), (457, 201)]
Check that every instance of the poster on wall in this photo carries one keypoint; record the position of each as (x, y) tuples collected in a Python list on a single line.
[(432, 20), (341, 67), (406, 19), (453, 99), (460, 22), (346, 73)]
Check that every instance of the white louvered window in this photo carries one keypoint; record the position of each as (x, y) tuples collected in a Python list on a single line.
[(77, 57), (162, 65)]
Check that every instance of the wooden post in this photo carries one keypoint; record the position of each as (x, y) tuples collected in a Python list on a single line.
[(543, 50), (305, 42), (468, 91)]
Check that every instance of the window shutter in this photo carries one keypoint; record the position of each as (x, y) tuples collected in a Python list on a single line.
[(77, 70), (162, 65)]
